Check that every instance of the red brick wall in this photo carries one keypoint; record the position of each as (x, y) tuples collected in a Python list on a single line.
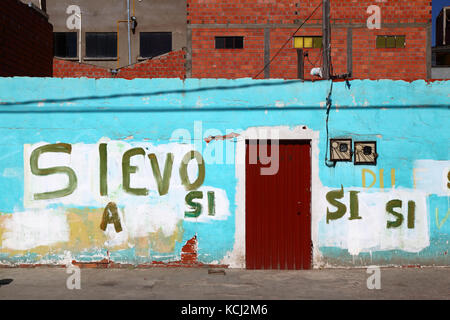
[(392, 11), (69, 69), (285, 64), (286, 11), (248, 11), (368, 62), (170, 65), (208, 62), (407, 63), (26, 41)]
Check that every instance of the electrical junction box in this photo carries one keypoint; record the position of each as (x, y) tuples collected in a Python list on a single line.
[(341, 149), (366, 152)]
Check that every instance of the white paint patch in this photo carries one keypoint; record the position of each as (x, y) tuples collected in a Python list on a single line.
[(365, 235), (142, 219), (34, 228), (140, 215), (371, 233), (430, 176), (84, 160)]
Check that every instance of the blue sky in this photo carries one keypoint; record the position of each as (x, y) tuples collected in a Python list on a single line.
[(437, 6)]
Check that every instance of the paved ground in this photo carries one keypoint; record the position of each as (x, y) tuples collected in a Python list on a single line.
[(189, 283)]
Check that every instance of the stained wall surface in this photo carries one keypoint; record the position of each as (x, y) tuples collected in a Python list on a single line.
[(92, 170)]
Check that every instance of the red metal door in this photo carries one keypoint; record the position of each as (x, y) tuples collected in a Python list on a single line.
[(278, 208)]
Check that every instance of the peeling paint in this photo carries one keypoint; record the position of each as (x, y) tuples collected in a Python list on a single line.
[(402, 208)]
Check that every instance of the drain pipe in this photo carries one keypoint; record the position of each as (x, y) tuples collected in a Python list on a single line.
[(79, 38), (129, 35), (118, 41)]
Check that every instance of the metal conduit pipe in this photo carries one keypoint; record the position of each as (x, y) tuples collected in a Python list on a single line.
[(129, 35), (118, 53), (129, 32)]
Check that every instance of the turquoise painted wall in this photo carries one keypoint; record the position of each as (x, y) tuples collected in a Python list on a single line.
[(409, 122)]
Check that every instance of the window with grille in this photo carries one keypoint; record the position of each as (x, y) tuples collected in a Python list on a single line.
[(391, 41), (229, 42), (307, 42), (65, 44), (153, 44), (101, 44)]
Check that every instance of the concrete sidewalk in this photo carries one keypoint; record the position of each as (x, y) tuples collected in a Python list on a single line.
[(197, 283)]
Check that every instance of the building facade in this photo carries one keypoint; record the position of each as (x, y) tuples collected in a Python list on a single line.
[(236, 39), (398, 48), (441, 52), (443, 27), (170, 172), (97, 32)]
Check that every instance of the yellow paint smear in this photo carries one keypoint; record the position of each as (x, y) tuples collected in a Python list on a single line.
[(86, 235)]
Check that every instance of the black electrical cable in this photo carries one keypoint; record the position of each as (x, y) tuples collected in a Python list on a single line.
[(328, 103), (282, 47), (317, 59)]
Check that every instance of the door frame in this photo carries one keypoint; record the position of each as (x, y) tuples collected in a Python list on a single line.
[(300, 250), (237, 258)]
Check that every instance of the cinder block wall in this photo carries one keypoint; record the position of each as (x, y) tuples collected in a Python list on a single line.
[(26, 41)]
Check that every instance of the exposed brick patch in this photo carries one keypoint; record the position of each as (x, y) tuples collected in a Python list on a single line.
[(188, 260), (413, 266), (98, 264), (189, 252), (170, 65), (26, 41)]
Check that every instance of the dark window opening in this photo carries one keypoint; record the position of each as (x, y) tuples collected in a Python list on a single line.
[(391, 41), (441, 59), (101, 44), (65, 44), (153, 44), (229, 42)]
